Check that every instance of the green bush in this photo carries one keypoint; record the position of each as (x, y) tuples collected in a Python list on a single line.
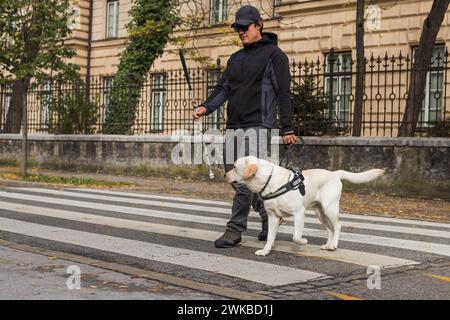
[(440, 129), (72, 111), (310, 108)]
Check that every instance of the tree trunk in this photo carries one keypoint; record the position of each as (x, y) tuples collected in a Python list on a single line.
[(360, 69), (422, 61), (14, 116)]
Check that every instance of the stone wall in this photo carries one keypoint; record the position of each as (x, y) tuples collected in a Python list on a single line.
[(418, 167)]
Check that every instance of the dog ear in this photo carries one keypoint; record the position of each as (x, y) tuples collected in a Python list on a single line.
[(250, 170)]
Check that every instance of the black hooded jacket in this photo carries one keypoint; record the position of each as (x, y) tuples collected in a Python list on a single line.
[(255, 82)]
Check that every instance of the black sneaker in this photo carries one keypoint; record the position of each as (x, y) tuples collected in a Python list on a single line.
[(229, 239)]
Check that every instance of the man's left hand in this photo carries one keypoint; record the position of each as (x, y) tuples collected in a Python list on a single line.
[(289, 139)]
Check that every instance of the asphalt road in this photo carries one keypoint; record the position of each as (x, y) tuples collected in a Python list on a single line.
[(143, 246)]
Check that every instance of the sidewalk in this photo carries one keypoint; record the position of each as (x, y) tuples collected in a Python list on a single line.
[(365, 204), (28, 275)]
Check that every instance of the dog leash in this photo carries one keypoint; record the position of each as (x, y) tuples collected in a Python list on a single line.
[(287, 157)]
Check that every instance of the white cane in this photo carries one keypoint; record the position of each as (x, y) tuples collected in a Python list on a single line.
[(198, 122)]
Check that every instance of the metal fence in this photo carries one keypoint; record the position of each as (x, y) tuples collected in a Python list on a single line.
[(164, 105), (386, 84), (323, 93)]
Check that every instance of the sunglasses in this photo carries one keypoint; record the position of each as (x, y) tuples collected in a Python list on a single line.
[(240, 27)]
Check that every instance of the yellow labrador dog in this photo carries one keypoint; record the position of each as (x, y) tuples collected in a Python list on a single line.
[(322, 193)]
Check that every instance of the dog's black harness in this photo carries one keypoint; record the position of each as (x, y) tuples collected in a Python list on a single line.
[(295, 183)]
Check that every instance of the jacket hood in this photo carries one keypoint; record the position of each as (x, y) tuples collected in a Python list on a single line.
[(267, 38)]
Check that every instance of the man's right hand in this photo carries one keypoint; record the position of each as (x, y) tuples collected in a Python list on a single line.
[(198, 112)]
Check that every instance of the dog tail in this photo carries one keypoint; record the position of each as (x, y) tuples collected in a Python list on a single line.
[(362, 177)]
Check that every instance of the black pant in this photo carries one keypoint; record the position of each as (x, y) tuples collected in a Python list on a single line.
[(248, 141)]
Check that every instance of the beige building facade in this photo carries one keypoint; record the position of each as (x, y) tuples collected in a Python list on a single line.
[(306, 29)]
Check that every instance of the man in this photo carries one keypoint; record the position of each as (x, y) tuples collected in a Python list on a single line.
[(255, 82)]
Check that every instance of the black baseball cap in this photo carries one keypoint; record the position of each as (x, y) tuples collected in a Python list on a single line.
[(246, 15)]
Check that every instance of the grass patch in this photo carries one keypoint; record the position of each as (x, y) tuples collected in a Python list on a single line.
[(194, 172), (72, 181), (191, 172), (9, 162)]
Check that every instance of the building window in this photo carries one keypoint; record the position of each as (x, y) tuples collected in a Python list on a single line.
[(158, 101), (107, 84), (46, 99), (219, 10), (112, 19), (215, 119), (275, 3), (432, 104), (339, 71)]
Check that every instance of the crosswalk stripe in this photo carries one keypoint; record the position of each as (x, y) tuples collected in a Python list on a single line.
[(153, 196), (370, 218), (223, 203), (135, 201), (113, 197), (397, 229), (349, 224), (429, 247), (260, 272), (343, 255)]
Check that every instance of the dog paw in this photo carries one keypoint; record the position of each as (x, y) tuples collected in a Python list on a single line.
[(262, 252), (328, 247), (300, 241)]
